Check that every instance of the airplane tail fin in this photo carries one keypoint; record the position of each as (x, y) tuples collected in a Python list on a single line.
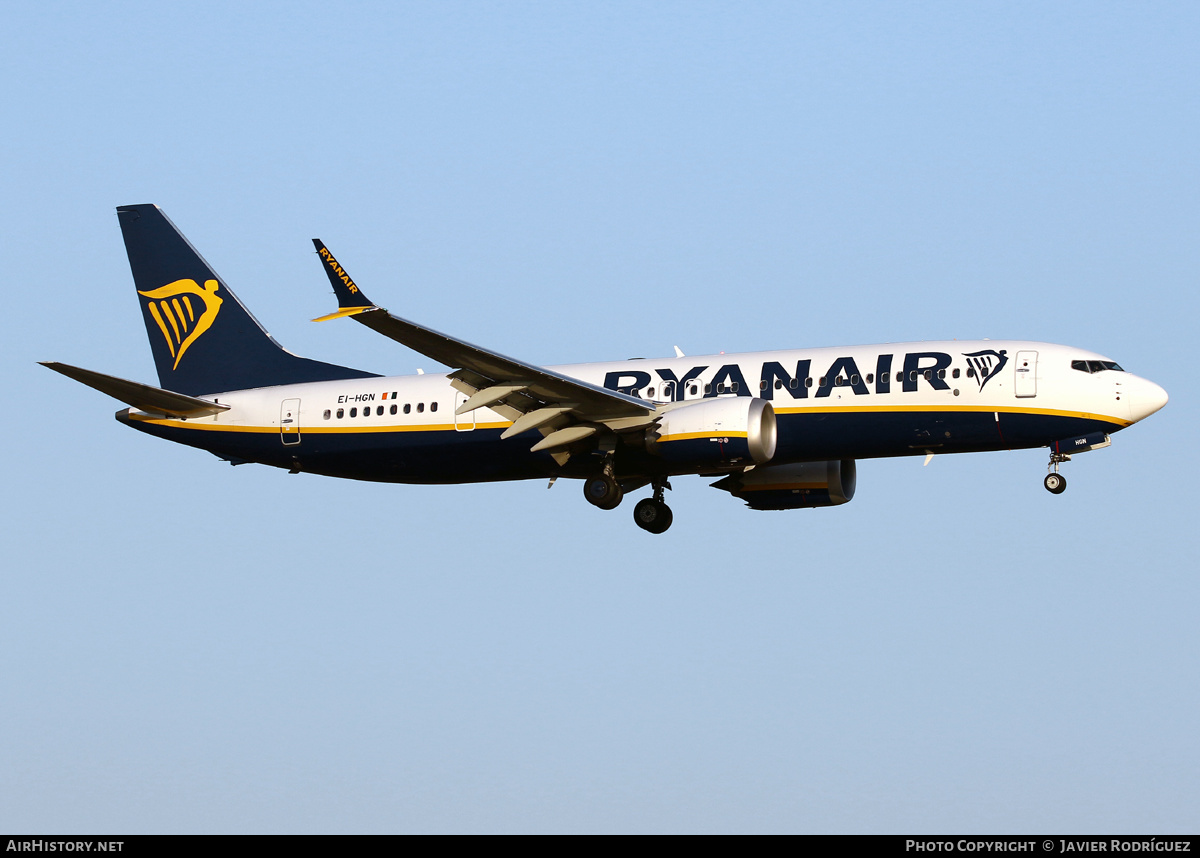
[(203, 339)]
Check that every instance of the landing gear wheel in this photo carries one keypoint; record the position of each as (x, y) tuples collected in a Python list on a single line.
[(652, 515), (1055, 483), (603, 491)]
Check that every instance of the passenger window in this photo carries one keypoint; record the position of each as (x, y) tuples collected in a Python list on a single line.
[(408, 408), (649, 392), (855, 379), (341, 413), (912, 376), (393, 409), (928, 374), (420, 407), (762, 385), (734, 387), (870, 378), (692, 390), (970, 372), (837, 382), (433, 406), (327, 414), (379, 411), (955, 373), (823, 380), (708, 388), (808, 381), (353, 412), (883, 378), (793, 383), (941, 373)]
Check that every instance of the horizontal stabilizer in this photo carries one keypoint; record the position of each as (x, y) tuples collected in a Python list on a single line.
[(140, 396)]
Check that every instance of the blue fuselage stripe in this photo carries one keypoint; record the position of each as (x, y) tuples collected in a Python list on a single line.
[(448, 456)]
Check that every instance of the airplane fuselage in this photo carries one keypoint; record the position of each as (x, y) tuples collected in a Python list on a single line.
[(780, 430), (898, 399)]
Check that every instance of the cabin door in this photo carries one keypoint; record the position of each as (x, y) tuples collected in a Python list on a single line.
[(462, 422), (1026, 374), (289, 421)]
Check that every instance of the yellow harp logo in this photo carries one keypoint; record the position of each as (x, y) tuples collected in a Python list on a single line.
[(179, 319)]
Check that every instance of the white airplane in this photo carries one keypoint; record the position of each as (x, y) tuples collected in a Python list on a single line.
[(781, 429)]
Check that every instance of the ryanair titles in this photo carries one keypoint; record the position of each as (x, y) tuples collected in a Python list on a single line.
[(912, 370), (337, 269)]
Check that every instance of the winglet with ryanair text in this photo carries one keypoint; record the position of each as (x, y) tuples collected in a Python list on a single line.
[(351, 300)]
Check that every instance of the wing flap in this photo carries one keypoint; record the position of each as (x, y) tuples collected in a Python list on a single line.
[(546, 385)]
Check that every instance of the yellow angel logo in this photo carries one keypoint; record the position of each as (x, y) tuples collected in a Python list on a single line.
[(171, 305)]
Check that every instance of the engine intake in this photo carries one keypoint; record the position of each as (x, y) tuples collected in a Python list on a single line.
[(795, 486)]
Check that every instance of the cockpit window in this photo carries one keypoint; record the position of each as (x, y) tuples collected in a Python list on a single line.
[(1091, 366)]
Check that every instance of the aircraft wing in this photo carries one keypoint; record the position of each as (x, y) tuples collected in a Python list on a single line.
[(532, 396)]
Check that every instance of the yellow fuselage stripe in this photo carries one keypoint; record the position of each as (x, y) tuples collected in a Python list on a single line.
[(821, 409), (984, 409)]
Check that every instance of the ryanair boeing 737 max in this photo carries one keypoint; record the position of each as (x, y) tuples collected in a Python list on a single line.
[(780, 429)]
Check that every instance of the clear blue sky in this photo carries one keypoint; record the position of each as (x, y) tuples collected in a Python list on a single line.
[(187, 646)]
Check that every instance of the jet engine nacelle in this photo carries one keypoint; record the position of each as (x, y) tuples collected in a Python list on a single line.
[(796, 486), (715, 433)]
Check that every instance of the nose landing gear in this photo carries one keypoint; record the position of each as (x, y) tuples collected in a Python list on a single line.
[(1055, 482)]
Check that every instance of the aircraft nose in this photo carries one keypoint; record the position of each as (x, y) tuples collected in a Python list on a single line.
[(1147, 398)]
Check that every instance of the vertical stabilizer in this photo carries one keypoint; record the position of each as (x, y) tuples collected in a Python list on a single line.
[(203, 339)]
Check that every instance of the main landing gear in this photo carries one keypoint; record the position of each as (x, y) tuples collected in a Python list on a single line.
[(603, 491), (1055, 482), (650, 514)]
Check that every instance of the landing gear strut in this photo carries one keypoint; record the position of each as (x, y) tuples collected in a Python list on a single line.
[(1055, 482), (652, 514)]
